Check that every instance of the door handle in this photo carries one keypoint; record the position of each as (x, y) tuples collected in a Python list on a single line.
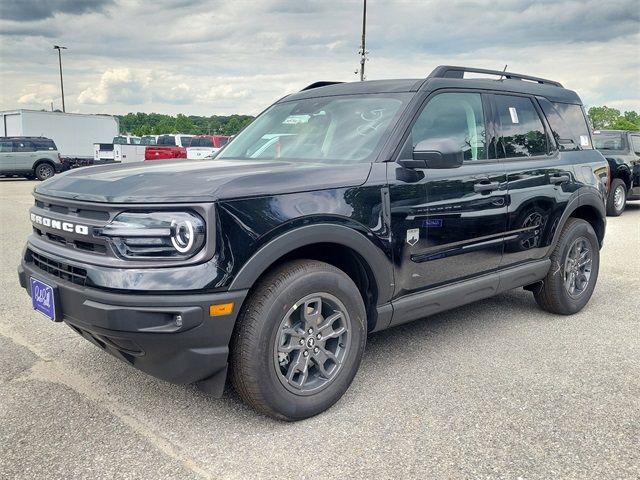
[(486, 187), (559, 179)]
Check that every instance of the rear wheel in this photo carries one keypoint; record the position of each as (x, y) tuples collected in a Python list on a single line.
[(575, 263), (44, 170), (617, 199), (299, 340)]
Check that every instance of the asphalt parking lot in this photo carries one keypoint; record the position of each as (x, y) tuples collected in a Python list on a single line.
[(498, 389)]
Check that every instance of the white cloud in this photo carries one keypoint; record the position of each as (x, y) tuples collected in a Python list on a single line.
[(118, 85)]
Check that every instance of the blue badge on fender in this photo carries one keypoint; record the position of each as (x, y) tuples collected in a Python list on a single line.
[(432, 223)]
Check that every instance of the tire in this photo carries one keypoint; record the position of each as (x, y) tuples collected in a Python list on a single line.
[(267, 325), (555, 296), (44, 171), (617, 198)]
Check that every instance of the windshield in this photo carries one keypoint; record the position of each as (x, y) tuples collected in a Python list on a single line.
[(333, 129), (609, 141)]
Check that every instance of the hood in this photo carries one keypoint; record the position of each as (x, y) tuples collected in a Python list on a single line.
[(199, 181)]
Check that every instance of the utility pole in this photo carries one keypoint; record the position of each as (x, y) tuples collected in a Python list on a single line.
[(363, 52), (59, 48)]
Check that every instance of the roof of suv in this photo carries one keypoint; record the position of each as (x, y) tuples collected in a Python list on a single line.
[(446, 77)]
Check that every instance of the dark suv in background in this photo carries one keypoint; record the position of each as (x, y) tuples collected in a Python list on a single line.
[(622, 151), (30, 157), (343, 209)]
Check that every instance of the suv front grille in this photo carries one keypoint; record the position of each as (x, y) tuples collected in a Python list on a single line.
[(58, 269)]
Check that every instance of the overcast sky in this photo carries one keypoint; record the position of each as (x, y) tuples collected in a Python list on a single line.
[(204, 57)]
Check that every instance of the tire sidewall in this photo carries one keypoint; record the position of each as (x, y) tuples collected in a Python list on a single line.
[(576, 230), (276, 396), (612, 210), (39, 166)]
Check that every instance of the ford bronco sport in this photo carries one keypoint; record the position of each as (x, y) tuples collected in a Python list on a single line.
[(343, 209), (30, 157)]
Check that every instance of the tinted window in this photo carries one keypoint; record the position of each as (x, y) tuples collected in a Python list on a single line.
[(6, 146), (521, 130), (23, 146), (148, 140), (43, 144), (166, 140), (223, 141), (568, 124), (120, 140), (202, 142), (635, 143), (456, 117), (185, 141), (609, 141)]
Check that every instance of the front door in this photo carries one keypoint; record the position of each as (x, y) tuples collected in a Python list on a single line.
[(448, 224), (24, 155), (7, 160)]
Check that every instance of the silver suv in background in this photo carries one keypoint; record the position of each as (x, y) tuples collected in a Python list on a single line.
[(30, 157)]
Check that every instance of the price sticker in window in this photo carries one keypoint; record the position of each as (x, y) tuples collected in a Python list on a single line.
[(584, 141), (514, 115)]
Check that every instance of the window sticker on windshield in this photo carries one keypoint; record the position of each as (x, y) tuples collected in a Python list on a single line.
[(514, 115), (584, 141)]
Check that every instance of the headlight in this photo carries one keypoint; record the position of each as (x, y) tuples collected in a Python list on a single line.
[(155, 235)]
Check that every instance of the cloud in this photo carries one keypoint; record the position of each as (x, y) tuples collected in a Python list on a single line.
[(38, 94), (118, 85), (31, 10)]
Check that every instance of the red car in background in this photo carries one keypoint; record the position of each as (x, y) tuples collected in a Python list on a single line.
[(164, 152)]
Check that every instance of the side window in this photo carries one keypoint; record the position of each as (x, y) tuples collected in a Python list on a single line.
[(568, 124), (6, 146), (456, 117), (635, 144), (23, 146), (521, 131)]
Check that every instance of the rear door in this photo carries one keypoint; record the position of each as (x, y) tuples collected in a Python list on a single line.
[(24, 154), (448, 224), (540, 178)]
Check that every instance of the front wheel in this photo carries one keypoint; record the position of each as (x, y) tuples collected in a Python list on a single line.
[(299, 340), (575, 263)]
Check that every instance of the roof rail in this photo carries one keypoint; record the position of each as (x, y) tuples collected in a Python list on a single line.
[(449, 71), (318, 85)]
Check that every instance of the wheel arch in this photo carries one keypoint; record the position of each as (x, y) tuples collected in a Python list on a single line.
[(589, 207), (41, 161), (341, 246)]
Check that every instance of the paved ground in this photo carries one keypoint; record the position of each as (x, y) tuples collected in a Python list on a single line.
[(498, 389)]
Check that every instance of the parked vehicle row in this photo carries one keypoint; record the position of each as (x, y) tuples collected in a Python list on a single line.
[(161, 147)]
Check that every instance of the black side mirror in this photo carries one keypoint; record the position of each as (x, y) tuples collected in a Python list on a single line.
[(437, 154)]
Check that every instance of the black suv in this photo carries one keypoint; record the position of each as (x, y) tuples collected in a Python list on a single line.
[(622, 151), (344, 209)]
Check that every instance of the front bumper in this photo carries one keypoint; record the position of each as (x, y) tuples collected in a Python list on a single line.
[(144, 329)]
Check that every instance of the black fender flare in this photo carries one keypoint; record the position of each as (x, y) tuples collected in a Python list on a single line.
[(588, 198), (376, 260)]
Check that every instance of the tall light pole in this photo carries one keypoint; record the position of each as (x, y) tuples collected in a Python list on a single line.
[(363, 52), (59, 48)]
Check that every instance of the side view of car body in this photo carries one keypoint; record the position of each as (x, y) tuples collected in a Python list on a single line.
[(31, 157), (622, 151)]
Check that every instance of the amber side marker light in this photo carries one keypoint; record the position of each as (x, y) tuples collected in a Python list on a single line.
[(220, 309)]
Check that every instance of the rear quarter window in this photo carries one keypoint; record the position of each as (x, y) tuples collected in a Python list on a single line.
[(568, 124)]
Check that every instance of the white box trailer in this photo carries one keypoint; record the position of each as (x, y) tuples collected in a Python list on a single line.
[(73, 133)]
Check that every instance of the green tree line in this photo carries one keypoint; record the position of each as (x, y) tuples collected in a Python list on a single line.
[(607, 118), (157, 124)]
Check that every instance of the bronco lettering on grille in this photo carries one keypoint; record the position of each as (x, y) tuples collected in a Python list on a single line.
[(60, 225)]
